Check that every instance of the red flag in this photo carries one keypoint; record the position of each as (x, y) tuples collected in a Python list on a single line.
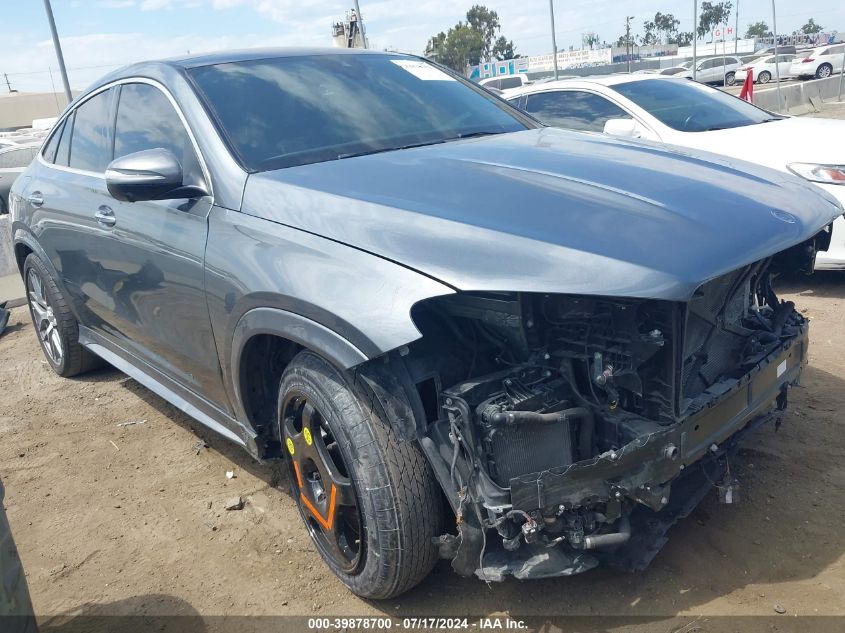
[(747, 91)]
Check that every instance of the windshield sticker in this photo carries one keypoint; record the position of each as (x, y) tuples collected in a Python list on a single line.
[(422, 70)]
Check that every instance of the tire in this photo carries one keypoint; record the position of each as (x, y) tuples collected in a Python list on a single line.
[(730, 79), (399, 504), (764, 77), (57, 330), (824, 71)]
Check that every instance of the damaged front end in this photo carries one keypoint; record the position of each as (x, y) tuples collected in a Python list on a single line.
[(572, 430)]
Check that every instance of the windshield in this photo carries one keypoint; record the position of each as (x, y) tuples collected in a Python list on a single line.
[(288, 111), (688, 106)]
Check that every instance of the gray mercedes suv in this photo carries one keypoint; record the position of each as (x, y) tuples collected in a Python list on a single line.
[(468, 336)]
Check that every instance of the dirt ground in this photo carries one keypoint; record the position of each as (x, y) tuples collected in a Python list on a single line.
[(114, 519)]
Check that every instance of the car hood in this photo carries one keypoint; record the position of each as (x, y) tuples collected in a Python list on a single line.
[(776, 143), (549, 211)]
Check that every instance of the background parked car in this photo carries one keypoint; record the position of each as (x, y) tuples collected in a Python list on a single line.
[(676, 70), (14, 157), (715, 70), (506, 83), (820, 62), (764, 69), (688, 114)]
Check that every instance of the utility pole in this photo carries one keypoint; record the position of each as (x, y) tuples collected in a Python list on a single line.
[(58, 48), (628, 40), (694, 37), (777, 66), (736, 30), (554, 40), (360, 24), (8, 85)]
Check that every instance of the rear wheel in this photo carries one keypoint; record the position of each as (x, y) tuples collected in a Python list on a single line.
[(369, 502), (824, 71), (55, 325), (764, 77), (730, 79)]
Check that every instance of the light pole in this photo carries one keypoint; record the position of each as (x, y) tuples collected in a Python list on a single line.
[(736, 30), (694, 37), (58, 48), (554, 40), (628, 40), (777, 66), (360, 25)]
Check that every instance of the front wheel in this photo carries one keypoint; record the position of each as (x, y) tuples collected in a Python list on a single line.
[(764, 77), (369, 502), (824, 71)]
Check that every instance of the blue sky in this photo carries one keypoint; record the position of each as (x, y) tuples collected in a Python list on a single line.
[(100, 35)]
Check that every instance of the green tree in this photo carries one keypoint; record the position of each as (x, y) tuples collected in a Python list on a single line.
[(650, 33), (666, 27), (713, 15), (590, 39), (470, 42), (811, 27), (486, 22), (683, 38), (504, 49), (758, 29), (458, 48)]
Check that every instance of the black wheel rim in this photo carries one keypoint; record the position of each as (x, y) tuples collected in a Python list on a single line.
[(322, 484)]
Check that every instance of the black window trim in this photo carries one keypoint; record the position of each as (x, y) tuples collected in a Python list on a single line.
[(116, 85)]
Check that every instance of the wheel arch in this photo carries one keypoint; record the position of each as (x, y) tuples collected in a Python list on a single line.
[(264, 342)]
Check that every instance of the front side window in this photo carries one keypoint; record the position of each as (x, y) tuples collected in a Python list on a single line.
[(688, 106), (91, 140), (574, 110), (288, 111), (146, 119)]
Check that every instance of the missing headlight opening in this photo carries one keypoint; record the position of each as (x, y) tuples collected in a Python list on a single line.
[(569, 431)]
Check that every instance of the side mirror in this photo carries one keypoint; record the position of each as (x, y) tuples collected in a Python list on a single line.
[(153, 174), (622, 127)]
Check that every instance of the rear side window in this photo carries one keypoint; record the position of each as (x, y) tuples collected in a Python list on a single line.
[(574, 110), (91, 139), (510, 82), (63, 151), (49, 152), (147, 120), (17, 157)]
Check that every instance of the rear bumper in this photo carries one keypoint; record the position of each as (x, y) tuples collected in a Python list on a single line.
[(644, 469)]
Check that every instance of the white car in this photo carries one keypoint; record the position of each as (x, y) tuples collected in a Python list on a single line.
[(689, 114), (820, 62), (505, 84), (764, 69), (714, 70)]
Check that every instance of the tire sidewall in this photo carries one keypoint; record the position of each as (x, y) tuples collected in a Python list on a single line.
[(730, 79), (34, 263), (764, 77), (350, 423), (820, 72)]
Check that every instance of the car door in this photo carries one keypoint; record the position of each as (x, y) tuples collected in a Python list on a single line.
[(154, 276), (785, 64)]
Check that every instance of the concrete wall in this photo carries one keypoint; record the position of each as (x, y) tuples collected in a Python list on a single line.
[(18, 109), (796, 96)]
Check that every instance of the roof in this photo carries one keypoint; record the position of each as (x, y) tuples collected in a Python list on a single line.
[(224, 57)]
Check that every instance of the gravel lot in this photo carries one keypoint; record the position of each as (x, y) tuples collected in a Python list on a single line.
[(113, 519)]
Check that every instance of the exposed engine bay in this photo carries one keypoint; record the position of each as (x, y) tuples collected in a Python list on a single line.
[(572, 430)]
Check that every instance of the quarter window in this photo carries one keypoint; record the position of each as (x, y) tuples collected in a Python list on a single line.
[(574, 110), (147, 120), (91, 139), (49, 152), (63, 151)]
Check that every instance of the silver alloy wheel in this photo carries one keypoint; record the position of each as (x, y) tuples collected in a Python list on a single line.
[(42, 315), (824, 71)]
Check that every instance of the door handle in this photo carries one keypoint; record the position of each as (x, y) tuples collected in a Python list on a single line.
[(35, 199), (105, 216)]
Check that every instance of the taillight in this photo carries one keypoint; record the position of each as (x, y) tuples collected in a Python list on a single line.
[(807, 60)]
